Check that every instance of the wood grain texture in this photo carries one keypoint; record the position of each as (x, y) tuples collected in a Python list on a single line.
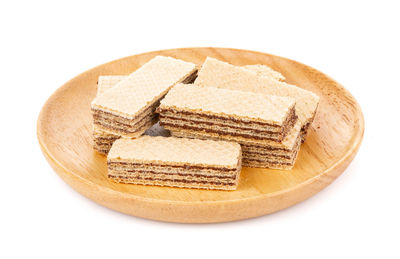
[(64, 133)]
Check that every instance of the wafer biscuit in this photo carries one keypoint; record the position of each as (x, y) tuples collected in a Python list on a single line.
[(276, 155), (103, 139), (255, 155), (223, 111), (224, 75), (263, 70), (176, 162), (130, 104)]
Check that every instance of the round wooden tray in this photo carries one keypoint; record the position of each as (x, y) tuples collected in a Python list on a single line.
[(64, 133)]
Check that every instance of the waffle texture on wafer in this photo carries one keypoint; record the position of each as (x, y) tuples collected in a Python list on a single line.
[(175, 162), (105, 83), (129, 106), (224, 75), (263, 70)]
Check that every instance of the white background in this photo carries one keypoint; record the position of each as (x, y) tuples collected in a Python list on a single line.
[(44, 44)]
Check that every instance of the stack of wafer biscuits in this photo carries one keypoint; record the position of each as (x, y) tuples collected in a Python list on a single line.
[(127, 109), (224, 75), (175, 162), (231, 116), (265, 125)]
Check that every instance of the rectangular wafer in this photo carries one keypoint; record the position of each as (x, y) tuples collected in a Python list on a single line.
[(228, 112), (264, 125), (224, 75), (103, 139), (175, 162), (129, 105), (256, 153)]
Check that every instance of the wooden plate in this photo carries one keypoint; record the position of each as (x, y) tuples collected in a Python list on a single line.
[(64, 133)]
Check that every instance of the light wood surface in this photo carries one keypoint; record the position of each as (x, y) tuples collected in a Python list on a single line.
[(64, 133)]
